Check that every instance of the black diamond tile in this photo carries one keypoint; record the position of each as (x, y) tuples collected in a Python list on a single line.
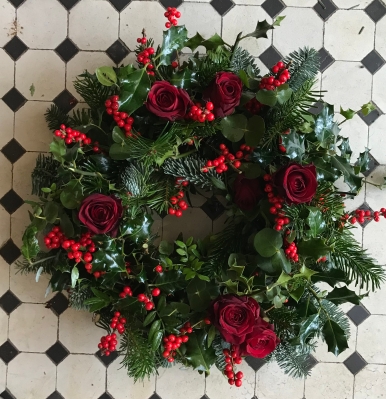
[(255, 362), (55, 395), (8, 352), (222, 6), (9, 302), (376, 10), (373, 62), (273, 7), (58, 304), (373, 163), (154, 396), (355, 363), (14, 99), (170, 3), (16, 3), (316, 108), (204, 397), (117, 51), (9, 251), (325, 59), (67, 50), (358, 314), (325, 8), (270, 57), (213, 208), (106, 396), (120, 4), (15, 48), (6, 395), (371, 117), (65, 101), (365, 207), (311, 362), (107, 360), (57, 353), (11, 201), (68, 4), (13, 151)]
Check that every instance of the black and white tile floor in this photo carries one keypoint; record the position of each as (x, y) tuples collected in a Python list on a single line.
[(47, 351)]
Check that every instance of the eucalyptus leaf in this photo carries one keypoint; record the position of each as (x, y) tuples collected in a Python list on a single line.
[(233, 127), (267, 242)]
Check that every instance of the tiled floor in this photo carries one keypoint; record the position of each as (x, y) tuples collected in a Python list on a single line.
[(48, 351)]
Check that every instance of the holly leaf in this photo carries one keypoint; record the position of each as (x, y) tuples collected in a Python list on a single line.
[(199, 355), (278, 20), (308, 328), (294, 145), (267, 242), (350, 178), (325, 130), (233, 127), (171, 281), (255, 131), (194, 42), (297, 293), (174, 39), (367, 108), (213, 42), (211, 335), (262, 28), (184, 79), (363, 162), (200, 294), (30, 247), (134, 90), (345, 149), (106, 76), (315, 221), (106, 260), (314, 248), (348, 114), (335, 337), (331, 277), (343, 295), (325, 171)]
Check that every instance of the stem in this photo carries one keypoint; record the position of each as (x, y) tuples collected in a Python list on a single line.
[(272, 307), (185, 154), (84, 173), (236, 45), (42, 260)]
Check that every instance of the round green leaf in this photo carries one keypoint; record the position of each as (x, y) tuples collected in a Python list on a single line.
[(267, 242), (267, 97), (255, 131), (233, 127), (106, 76)]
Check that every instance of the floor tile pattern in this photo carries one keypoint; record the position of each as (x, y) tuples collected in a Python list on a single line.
[(48, 351)]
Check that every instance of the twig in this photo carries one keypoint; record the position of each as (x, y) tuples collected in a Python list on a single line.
[(361, 30)]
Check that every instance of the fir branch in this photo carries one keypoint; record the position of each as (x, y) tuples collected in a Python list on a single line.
[(94, 93), (304, 65), (78, 295), (348, 256), (81, 117), (219, 345), (190, 169), (139, 358), (55, 117), (242, 60), (215, 61), (44, 174), (45, 262), (285, 320)]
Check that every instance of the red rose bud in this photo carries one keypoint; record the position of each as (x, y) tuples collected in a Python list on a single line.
[(101, 213), (296, 183), (234, 316), (247, 192), (166, 101), (225, 93)]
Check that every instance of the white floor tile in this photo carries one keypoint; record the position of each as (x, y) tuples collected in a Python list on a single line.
[(22, 170), (7, 17), (377, 139), (379, 81), (19, 221), (5, 175), (3, 328), (373, 240), (7, 75), (371, 339), (4, 272), (370, 382), (6, 125), (3, 374), (5, 222), (374, 303), (380, 44), (346, 4), (374, 196)]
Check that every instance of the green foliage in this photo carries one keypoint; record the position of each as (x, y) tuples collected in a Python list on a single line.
[(216, 61), (79, 295), (55, 117), (44, 174), (92, 91), (43, 262), (242, 60)]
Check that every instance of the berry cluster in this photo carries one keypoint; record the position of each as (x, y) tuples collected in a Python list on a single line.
[(254, 106), (149, 304), (118, 323), (71, 136), (108, 344), (179, 203), (55, 238), (291, 251), (362, 215), (220, 163), (126, 292), (122, 119), (200, 113), (143, 57), (173, 342), (281, 75), (231, 359), (172, 14)]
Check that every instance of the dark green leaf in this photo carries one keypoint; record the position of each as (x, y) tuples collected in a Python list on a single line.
[(197, 353), (51, 210), (314, 248), (255, 131), (343, 295), (335, 337), (96, 304), (171, 281), (267, 97), (306, 308), (66, 224), (72, 153), (218, 183), (156, 341), (72, 194), (297, 293), (58, 149), (294, 145), (184, 79), (149, 318), (284, 92), (262, 28), (119, 152), (267, 242), (251, 170), (194, 42), (117, 135), (315, 221), (213, 42), (350, 178), (161, 303), (345, 148), (30, 247), (233, 127), (134, 91), (174, 39), (308, 328), (325, 171), (106, 76), (166, 248), (211, 335), (279, 260), (363, 162), (200, 294), (103, 260), (326, 130), (267, 265), (331, 277), (155, 327)]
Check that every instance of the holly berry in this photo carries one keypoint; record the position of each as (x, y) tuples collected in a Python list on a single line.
[(158, 269), (155, 291), (280, 76)]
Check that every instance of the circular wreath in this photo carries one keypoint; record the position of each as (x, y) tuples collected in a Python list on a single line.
[(153, 134)]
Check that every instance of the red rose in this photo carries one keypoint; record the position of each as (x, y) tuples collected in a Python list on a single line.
[(247, 192), (225, 93), (261, 341), (234, 316), (101, 213), (296, 183), (166, 101)]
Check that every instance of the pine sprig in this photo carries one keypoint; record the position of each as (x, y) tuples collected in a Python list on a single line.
[(285, 320), (242, 60), (44, 262), (216, 61), (55, 117), (304, 65), (78, 295), (219, 345), (294, 360), (94, 93), (44, 173)]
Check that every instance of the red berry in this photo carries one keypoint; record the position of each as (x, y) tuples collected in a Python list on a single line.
[(171, 211), (237, 164), (156, 292), (149, 306), (239, 375), (238, 360), (178, 213), (144, 40), (228, 367), (280, 65), (141, 297), (158, 269), (168, 25), (231, 381), (238, 383), (174, 64), (275, 69)]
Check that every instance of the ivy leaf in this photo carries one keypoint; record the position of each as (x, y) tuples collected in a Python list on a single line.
[(367, 108), (350, 178), (255, 131), (294, 145), (174, 39), (72, 194), (30, 247), (325, 171), (267, 242), (335, 337), (134, 91), (326, 130), (348, 114), (308, 328), (363, 162), (194, 42), (197, 353), (58, 149), (106, 76), (262, 28), (233, 127), (74, 276), (343, 295), (315, 221), (314, 248)]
